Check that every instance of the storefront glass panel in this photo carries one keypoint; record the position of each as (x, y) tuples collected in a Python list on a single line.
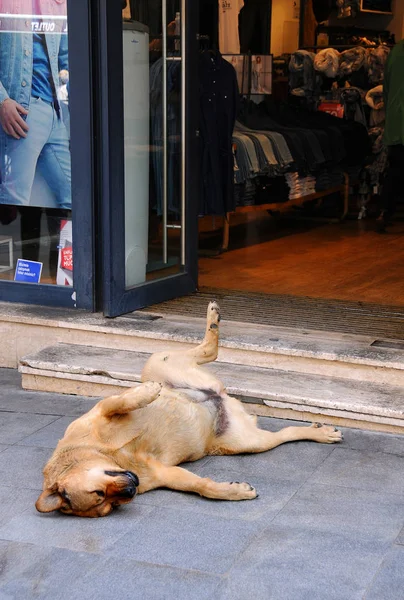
[(154, 158), (35, 165)]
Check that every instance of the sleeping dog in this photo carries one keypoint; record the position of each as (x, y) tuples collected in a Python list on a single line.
[(134, 442)]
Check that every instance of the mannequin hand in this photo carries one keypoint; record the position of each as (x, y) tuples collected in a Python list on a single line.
[(11, 120)]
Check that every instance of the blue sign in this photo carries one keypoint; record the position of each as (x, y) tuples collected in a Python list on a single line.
[(28, 271)]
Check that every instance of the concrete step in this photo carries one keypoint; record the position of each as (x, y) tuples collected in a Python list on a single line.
[(95, 371), (28, 329)]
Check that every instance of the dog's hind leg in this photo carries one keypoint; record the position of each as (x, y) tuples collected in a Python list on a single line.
[(177, 478), (180, 369), (243, 436), (131, 399), (207, 351)]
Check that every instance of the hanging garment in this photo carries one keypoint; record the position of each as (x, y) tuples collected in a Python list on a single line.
[(219, 98), (229, 10), (374, 98), (353, 105), (377, 58), (302, 77), (254, 27), (327, 62)]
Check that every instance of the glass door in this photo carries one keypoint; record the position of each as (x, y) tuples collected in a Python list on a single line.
[(148, 140)]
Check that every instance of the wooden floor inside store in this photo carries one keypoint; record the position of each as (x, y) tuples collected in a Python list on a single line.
[(339, 261)]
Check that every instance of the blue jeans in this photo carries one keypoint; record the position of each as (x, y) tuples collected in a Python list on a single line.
[(47, 148)]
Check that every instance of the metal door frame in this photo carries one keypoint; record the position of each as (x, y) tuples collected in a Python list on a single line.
[(117, 299), (82, 294)]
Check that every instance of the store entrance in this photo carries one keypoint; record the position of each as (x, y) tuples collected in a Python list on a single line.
[(301, 230), (147, 216)]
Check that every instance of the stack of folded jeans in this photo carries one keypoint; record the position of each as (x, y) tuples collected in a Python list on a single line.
[(329, 178), (300, 186)]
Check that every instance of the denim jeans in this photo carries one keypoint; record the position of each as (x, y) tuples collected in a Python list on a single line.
[(47, 148)]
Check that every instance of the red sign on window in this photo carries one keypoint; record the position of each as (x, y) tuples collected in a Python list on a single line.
[(333, 108), (67, 258)]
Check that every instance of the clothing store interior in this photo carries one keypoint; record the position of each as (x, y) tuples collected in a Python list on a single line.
[(294, 198), (292, 153)]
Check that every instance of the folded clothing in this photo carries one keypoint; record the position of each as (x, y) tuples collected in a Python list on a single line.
[(327, 62), (300, 186), (352, 60)]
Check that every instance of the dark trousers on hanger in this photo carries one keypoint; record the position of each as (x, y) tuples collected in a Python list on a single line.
[(254, 23), (393, 188)]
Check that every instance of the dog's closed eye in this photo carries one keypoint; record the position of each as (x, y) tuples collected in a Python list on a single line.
[(100, 493), (65, 498)]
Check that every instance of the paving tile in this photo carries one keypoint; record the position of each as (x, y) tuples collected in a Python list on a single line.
[(363, 470), (45, 403), (273, 495), (21, 467), (389, 581), (14, 501), (3, 447), (48, 436), (16, 426), (299, 563), (329, 540), (30, 571), (291, 462), (74, 533), (10, 378), (400, 538), (127, 579), (186, 540), (373, 441), (355, 513)]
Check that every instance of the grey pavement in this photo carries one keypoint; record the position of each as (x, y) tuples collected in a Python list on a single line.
[(329, 521)]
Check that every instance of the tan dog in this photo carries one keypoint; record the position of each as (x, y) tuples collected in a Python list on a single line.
[(136, 440)]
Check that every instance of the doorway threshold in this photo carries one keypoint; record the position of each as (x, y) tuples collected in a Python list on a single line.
[(340, 316)]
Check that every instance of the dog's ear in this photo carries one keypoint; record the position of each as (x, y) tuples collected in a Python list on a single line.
[(49, 501)]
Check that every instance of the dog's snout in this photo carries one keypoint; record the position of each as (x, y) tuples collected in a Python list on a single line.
[(128, 492), (133, 477), (128, 474)]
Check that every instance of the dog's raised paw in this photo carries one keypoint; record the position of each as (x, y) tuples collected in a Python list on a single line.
[(213, 313)]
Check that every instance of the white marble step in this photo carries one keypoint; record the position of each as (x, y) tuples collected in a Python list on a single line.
[(26, 330), (100, 371)]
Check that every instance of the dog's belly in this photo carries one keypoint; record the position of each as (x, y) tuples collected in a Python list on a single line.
[(174, 429)]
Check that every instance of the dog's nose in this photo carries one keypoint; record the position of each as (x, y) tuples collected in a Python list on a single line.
[(134, 478), (128, 492)]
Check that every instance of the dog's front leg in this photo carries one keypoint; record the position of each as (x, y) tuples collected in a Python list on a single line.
[(132, 399), (177, 478)]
